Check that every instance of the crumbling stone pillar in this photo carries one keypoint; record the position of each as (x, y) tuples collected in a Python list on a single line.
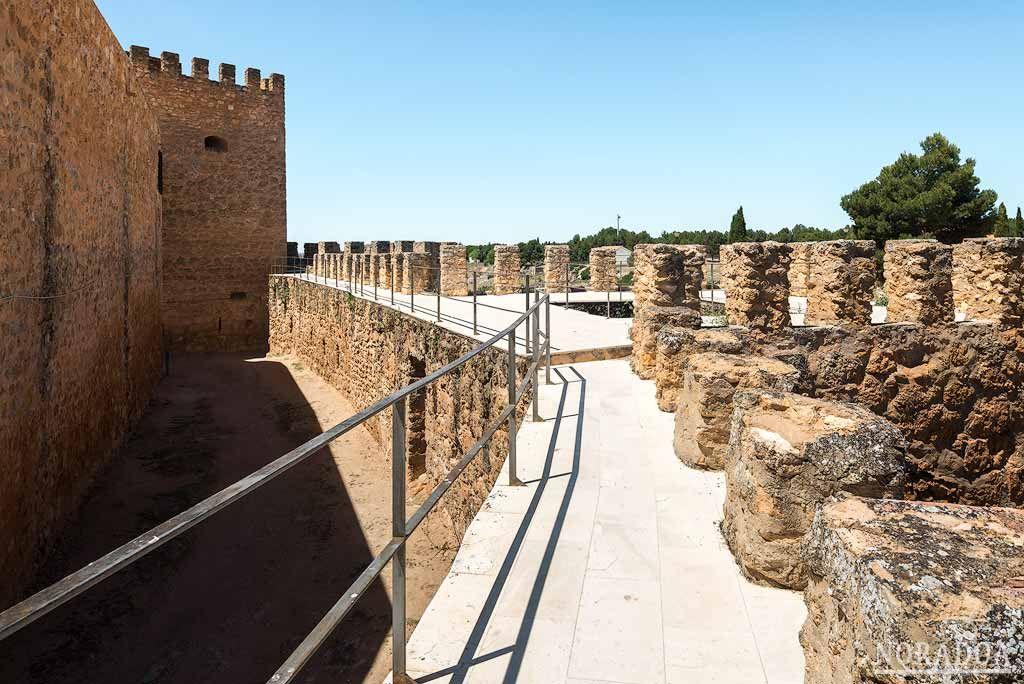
[(789, 453), (317, 264), (398, 266), (431, 267), (402, 246), (604, 276), (647, 323), (454, 271), (507, 278), (384, 266), (902, 586), (988, 275), (675, 345), (842, 283), (416, 273), (919, 281), (799, 267), (704, 402), (556, 267), (756, 282), (667, 275), (351, 265)]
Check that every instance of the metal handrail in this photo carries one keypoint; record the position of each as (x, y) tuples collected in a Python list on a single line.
[(43, 602)]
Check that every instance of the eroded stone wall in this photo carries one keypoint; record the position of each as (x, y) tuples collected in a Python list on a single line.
[(507, 279), (841, 284), (800, 268), (918, 281), (80, 268), (756, 282), (368, 350), (224, 218), (556, 267), (988, 279), (454, 271)]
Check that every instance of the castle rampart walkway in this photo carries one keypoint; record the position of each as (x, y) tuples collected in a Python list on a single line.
[(608, 566)]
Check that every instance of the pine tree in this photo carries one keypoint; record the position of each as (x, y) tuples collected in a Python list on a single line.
[(1018, 224), (1003, 227), (738, 227)]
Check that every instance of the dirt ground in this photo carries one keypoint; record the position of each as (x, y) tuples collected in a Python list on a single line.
[(229, 600)]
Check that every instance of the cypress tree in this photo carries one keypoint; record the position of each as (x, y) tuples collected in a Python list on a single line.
[(1018, 224), (738, 227), (1003, 227)]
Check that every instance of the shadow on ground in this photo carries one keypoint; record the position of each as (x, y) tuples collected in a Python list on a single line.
[(229, 600)]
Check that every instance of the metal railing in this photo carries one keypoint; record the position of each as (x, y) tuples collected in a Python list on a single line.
[(39, 604)]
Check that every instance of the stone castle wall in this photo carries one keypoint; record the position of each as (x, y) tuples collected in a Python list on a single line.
[(81, 226), (368, 350), (223, 150)]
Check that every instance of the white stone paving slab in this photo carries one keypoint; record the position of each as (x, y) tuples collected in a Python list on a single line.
[(608, 566)]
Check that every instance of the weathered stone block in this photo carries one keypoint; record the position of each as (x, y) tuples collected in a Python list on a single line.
[(841, 286), (507, 279), (327, 247), (667, 275), (402, 246), (705, 401), (556, 267), (604, 276), (988, 276), (899, 586), (379, 247), (675, 345), (429, 268), (647, 323), (799, 267), (416, 276), (354, 248), (918, 281), (787, 454), (454, 271), (756, 282)]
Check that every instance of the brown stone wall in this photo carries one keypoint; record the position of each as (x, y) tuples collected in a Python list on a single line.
[(667, 275), (604, 276), (756, 282), (988, 280), (918, 281), (800, 268), (416, 273), (841, 285), (224, 203), (80, 345), (507, 279), (556, 265), (454, 271), (368, 351), (428, 270)]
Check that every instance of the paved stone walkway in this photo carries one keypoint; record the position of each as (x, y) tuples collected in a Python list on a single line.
[(608, 566)]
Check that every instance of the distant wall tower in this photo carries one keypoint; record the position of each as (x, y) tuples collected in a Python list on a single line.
[(222, 177)]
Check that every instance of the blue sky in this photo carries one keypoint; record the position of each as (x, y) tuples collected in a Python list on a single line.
[(500, 123)]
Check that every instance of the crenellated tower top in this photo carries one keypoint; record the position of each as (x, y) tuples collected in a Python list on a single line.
[(169, 63)]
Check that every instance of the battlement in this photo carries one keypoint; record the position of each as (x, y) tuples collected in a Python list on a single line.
[(169, 63)]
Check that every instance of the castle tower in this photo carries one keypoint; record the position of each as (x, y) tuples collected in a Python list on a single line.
[(222, 178)]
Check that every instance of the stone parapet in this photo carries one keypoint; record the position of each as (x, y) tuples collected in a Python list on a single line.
[(988, 276), (327, 247), (354, 247), (902, 586), (384, 265), (647, 323), (308, 250), (675, 345), (454, 271), (604, 275), (402, 246), (918, 281), (507, 277), (756, 282), (416, 272), (431, 267), (800, 267), (556, 268), (378, 247), (789, 453), (704, 403), (842, 282), (667, 275)]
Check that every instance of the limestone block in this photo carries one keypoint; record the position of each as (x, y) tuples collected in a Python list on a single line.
[(507, 279), (799, 268), (384, 269), (667, 275), (647, 323), (787, 454), (556, 267), (454, 271), (416, 276), (604, 276), (756, 282), (354, 248), (842, 283), (402, 246), (378, 247), (897, 586), (918, 281), (428, 270), (705, 401), (674, 347), (327, 247), (988, 274)]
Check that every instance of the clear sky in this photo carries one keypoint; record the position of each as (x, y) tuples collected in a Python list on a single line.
[(498, 122)]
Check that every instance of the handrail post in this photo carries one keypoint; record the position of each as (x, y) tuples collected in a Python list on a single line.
[(536, 361), (513, 477), (547, 339), (439, 303), (608, 311), (474, 302), (398, 531), (567, 286), (393, 260), (376, 277), (526, 291)]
